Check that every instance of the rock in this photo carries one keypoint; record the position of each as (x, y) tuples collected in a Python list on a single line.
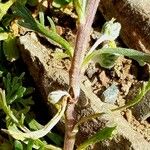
[(128, 115), (110, 94), (103, 78)]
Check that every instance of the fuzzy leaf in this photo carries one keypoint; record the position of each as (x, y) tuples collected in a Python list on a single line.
[(34, 125), (99, 54), (111, 29), (55, 96)]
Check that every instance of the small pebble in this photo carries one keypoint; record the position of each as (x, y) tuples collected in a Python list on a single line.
[(128, 115), (110, 95)]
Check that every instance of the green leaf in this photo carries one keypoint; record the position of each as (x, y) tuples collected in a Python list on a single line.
[(60, 3), (3, 36), (6, 108), (10, 49), (34, 125), (4, 7), (30, 144), (14, 88), (18, 145), (53, 27), (99, 54), (29, 22), (101, 135), (107, 60), (41, 18), (19, 135), (80, 6)]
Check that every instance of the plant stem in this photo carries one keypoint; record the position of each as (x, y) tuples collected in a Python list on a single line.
[(83, 36)]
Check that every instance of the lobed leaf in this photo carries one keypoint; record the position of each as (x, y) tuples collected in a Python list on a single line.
[(10, 49), (14, 88)]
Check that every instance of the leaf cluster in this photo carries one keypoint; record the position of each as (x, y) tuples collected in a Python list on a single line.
[(15, 102)]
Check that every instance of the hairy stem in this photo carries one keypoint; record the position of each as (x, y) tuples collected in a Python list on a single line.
[(83, 36)]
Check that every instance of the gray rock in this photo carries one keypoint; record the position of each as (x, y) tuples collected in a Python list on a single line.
[(110, 94)]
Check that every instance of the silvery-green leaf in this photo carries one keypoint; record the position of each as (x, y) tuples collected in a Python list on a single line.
[(19, 135), (106, 60), (111, 30), (55, 96), (131, 53)]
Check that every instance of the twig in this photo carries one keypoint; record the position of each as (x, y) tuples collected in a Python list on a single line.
[(83, 36)]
